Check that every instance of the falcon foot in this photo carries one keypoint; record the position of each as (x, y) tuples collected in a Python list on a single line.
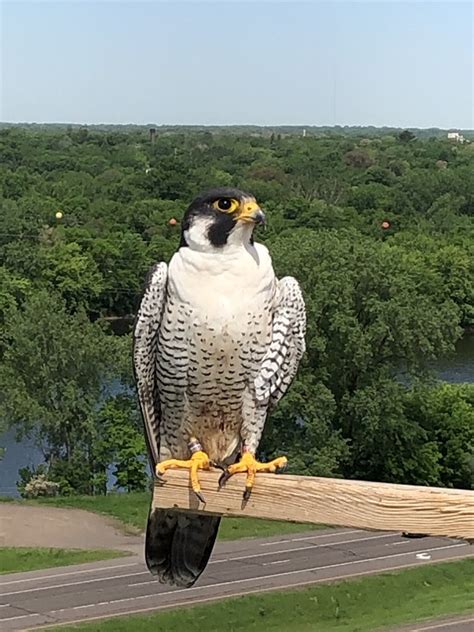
[(249, 464), (198, 461)]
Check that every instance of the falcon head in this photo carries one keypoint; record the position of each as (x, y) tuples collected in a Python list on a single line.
[(220, 218)]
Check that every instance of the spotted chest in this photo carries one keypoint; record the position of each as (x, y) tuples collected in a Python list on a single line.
[(214, 331), (206, 371)]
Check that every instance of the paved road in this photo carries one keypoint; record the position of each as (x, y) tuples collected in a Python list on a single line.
[(463, 623), (105, 589)]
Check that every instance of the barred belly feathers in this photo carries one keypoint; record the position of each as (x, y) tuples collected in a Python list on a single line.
[(217, 341)]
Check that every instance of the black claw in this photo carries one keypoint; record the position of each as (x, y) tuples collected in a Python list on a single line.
[(201, 497), (219, 465), (247, 492), (224, 477)]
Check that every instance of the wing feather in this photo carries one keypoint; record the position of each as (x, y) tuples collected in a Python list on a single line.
[(280, 362), (145, 341)]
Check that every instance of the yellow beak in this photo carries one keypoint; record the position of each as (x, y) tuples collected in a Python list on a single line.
[(250, 212)]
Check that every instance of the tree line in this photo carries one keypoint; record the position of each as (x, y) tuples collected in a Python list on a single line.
[(378, 229)]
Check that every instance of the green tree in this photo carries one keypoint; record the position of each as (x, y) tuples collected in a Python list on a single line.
[(120, 441), (13, 291), (54, 372), (386, 445), (382, 303), (375, 313), (65, 268), (446, 414), (406, 136), (303, 428)]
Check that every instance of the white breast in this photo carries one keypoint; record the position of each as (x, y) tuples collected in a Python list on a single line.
[(221, 287)]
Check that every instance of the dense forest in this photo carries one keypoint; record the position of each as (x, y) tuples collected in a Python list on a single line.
[(378, 228)]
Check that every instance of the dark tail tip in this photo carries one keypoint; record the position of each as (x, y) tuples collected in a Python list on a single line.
[(178, 545)]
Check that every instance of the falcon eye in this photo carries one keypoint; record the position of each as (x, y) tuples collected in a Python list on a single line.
[(224, 204), (227, 205)]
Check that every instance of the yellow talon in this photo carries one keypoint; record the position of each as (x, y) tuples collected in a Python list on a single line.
[(198, 461), (251, 466)]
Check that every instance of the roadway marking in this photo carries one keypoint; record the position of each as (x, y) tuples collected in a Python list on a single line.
[(231, 559), (277, 562), (303, 548), (240, 581), (84, 581), (303, 570), (312, 537), (87, 570), (437, 626), (22, 616), (106, 568), (219, 597)]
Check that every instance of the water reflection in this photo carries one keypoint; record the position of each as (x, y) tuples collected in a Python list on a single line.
[(458, 367)]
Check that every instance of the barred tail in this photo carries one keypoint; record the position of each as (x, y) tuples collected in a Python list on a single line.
[(178, 545)]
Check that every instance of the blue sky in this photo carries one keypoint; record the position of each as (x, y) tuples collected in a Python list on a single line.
[(265, 63)]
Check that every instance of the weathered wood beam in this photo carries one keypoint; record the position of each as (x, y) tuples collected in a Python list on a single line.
[(359, 504)]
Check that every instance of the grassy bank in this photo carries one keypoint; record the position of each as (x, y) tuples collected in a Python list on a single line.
[(132, 511), (19, 559), (362, 605)]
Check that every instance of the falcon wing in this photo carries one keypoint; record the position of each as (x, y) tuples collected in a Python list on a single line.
[(281, 361), (145, 341)]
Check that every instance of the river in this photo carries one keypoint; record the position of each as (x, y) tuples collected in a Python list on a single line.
[(457, 368)]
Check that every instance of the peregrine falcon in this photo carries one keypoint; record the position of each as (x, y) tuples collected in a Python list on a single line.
[(217, 341)]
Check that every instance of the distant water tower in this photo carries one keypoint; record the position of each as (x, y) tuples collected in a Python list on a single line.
[(152, 135)]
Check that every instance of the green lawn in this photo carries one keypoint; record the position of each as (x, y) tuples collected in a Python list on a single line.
[(236, 528), (132, 510), (18, 559), (362, 605)]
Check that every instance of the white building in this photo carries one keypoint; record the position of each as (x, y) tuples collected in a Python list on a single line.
[(456, 137)]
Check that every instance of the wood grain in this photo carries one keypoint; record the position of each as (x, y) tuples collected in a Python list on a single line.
[(359, 504)]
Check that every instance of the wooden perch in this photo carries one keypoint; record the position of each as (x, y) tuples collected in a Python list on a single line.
[(359, 504)]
